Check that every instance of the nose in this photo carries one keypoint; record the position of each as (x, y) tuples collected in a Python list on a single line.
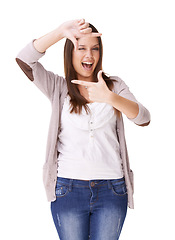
[(89, 53)]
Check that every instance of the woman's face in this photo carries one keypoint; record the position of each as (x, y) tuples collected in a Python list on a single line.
[(86, 57)]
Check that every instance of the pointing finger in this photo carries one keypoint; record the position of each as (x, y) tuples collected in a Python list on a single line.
[(83, 83), (88, 33), (95, 34)]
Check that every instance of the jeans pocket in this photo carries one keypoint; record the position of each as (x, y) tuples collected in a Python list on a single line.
[(119, 188), (61, 190)]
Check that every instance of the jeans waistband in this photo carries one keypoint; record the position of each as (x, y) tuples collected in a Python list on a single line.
[(96, 182)]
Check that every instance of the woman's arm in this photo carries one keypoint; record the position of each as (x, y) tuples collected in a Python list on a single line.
[(126, 98), (124, 105), (43, 43), (121, 99)]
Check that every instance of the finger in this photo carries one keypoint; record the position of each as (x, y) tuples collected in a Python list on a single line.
[(92, 34), (86, 30), (96, 34), (84, 26), (75, 43), (81, 21), (83, 83)]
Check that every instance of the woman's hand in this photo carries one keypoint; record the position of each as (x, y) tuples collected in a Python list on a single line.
[(72, 30), (76, 29), (97, 91)]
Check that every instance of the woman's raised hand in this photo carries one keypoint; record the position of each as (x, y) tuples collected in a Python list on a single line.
[(76, 29), (72, 30)]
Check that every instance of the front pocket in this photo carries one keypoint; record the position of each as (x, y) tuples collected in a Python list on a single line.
[(61, 190), (119, 190)]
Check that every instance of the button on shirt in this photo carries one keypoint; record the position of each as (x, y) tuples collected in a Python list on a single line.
[(87, 144)]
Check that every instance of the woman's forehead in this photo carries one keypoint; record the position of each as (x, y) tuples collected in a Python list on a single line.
[(88, 41)]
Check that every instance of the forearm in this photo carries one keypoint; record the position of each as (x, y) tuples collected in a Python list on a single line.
[(43, 43), (128, 107)]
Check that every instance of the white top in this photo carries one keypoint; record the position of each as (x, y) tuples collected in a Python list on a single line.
[(87, 145)]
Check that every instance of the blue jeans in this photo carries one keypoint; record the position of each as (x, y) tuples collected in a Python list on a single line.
[(94, 209)]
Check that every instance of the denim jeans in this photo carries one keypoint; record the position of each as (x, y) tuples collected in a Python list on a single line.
[(94, 209)]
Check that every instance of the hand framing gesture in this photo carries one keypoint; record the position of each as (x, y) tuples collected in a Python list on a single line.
[(76, 29)]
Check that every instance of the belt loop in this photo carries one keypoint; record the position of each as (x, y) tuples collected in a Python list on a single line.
[(70, 185), (109, 184)]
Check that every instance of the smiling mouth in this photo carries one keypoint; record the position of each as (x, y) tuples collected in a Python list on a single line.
[(87, 65)]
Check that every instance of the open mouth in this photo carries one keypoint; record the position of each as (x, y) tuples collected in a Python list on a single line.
[(87, 65)]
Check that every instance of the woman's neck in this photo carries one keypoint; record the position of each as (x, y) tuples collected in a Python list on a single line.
[(87, 79)]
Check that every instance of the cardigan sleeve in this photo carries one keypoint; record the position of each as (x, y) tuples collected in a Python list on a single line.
[(27, 60), (143, 118)]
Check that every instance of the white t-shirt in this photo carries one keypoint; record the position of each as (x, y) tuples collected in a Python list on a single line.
[(88, 146)]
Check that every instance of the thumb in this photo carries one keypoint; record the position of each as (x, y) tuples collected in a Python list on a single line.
[(75, 43), (99, 76)]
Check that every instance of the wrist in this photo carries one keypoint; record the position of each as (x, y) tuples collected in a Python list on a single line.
[(58, 33), (109, 97)]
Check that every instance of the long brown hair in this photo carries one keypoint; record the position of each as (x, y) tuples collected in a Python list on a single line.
[(77, 100)]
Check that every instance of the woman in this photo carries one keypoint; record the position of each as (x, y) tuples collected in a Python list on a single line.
[(87, 175)]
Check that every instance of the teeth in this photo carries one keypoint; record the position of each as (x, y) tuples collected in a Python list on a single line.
[(87, 62)]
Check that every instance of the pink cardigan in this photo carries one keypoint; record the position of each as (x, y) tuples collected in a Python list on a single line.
[(55, 88)]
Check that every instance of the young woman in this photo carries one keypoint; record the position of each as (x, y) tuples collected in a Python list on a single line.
[(86, 174)]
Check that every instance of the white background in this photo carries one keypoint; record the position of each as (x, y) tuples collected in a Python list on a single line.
[(139, 46)]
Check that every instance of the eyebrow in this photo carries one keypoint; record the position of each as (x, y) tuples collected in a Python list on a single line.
[(92, 46)]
